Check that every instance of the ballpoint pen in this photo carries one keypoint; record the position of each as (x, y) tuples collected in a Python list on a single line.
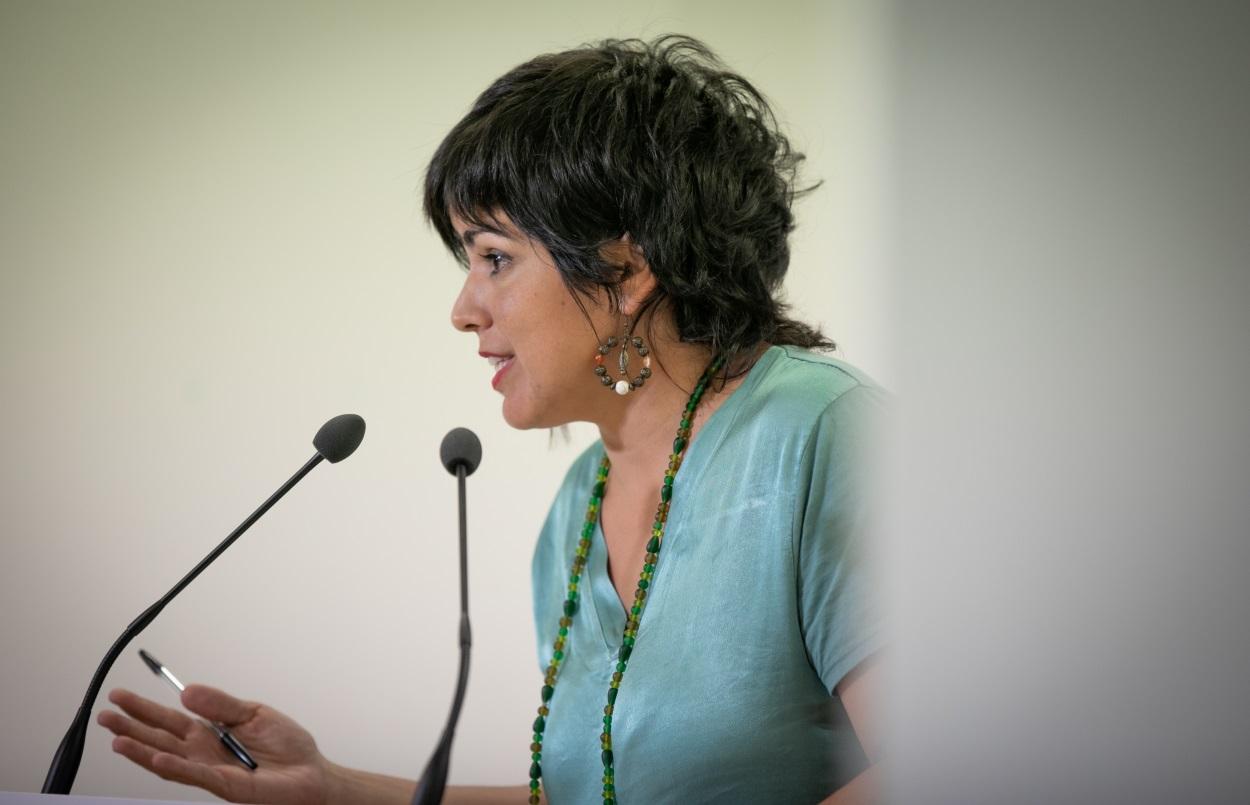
[(229, 740)]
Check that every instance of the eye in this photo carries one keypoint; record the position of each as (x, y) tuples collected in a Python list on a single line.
[(497, 261)]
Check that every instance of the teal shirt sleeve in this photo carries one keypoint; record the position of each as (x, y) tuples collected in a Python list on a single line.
[(839, 621)]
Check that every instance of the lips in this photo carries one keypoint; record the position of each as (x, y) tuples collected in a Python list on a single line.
[(501, 364)]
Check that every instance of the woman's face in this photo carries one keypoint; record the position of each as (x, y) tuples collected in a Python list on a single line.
[(540, 346)]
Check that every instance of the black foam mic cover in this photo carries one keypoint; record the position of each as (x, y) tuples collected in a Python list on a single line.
[(340, 436), (461, 448)]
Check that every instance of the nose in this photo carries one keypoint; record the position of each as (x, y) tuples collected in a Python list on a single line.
[(468, 314)]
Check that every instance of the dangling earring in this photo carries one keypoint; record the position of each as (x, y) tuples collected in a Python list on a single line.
[(624, 385)]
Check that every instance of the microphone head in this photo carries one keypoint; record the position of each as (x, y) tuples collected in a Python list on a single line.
[(461, 448), (339, 437)]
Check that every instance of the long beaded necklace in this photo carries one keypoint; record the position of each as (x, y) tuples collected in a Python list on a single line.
[(635, 611)]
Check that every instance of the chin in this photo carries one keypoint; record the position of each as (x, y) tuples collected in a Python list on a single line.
[(521, 416), (527, 415)]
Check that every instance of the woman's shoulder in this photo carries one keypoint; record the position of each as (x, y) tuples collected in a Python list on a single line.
[(835, 370), (796, 386)]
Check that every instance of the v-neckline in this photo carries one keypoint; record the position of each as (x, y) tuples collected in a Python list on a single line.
[(609, 609)]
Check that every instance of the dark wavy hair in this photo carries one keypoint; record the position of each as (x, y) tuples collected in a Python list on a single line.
[(655, 140)]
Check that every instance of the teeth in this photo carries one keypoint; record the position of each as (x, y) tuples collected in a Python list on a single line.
[(497, 362)]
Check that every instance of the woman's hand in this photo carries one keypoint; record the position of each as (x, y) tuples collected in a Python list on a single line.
[(177, 747)]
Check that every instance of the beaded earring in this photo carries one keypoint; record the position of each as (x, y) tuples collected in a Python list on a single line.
[(624, 385)]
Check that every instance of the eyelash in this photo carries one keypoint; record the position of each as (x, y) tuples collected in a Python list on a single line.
[(496, 259)]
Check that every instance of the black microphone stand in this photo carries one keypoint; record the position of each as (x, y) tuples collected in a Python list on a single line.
[(68, 755), (337, 439), (433, 782)]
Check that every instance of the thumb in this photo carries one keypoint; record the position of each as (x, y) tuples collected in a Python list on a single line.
[(217, 705)]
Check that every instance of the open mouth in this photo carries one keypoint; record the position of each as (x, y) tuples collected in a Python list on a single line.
[(501, 365)]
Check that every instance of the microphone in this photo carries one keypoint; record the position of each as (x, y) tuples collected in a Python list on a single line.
[(461, 452), (460, 447), (336, 440)]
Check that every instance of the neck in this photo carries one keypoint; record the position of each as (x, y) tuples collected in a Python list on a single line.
[(638, 432)]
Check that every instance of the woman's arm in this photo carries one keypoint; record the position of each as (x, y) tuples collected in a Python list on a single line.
[(858, 692), (349, 786)]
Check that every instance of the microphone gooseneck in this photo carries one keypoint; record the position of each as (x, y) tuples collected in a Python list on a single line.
[(336, 440), (461, 453)]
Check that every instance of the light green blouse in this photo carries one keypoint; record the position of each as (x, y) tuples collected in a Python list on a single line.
[(760, 604)]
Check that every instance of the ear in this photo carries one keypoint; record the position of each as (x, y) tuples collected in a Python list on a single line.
[(639, 283)]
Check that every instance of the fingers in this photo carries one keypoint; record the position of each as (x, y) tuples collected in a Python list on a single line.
[(134, 750), (156, 738), (172, 767), (165, 741), (232, 782), (167, 766), (152, 714), (217, 705)]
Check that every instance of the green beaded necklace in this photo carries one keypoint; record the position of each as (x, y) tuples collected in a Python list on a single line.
[(635, 612)]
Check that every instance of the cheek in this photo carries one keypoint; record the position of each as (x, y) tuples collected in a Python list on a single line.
[(554, 343), (552, 332)]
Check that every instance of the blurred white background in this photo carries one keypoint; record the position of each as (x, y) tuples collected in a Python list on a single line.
[(1071, 518)]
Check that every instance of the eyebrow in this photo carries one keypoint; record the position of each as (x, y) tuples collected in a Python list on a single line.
[(472, 232)]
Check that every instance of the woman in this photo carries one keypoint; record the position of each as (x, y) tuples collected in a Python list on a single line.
[(699, 591)]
